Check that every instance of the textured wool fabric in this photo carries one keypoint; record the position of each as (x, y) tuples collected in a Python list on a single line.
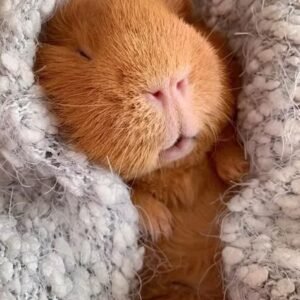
[(68, 230), (262, 230)]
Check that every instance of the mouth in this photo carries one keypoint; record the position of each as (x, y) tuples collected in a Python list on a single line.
[(181, 148)]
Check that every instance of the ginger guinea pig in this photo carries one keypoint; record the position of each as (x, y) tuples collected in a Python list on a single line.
[(139, 90), (131, 83)]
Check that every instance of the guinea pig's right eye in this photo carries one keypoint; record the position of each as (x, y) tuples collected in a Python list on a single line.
[(83, 54)]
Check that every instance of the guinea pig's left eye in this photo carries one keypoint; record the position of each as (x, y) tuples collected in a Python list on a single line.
[(83, 54)]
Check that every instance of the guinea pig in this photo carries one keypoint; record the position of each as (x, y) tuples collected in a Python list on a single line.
[(136, 73), (138, 89)]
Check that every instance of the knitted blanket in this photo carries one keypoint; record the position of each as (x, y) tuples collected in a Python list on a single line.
[(262, 230), (68, 229)]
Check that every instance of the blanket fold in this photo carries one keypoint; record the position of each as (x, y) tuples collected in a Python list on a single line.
[(262, 231), (68, 229)]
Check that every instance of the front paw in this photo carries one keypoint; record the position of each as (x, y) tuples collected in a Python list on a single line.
[(233, 169), (155, 217)]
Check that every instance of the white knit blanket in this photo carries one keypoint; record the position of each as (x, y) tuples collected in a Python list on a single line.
[(262, 231), (68, 230)]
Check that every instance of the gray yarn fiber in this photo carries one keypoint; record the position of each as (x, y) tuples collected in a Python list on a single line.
[(68, 229)]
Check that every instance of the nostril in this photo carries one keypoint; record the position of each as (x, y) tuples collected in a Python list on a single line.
[(181, 86), (158, 95)]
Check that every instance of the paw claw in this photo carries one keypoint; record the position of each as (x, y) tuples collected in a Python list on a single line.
[(233, 170), (156, 219)]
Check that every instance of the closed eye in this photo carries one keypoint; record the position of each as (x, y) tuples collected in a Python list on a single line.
[(83, 54)]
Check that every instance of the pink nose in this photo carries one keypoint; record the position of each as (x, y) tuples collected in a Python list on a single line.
[(174, 99), (173, 89)]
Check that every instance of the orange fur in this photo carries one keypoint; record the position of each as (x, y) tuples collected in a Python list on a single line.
[(180, 209), (96, 60), (137, 43)]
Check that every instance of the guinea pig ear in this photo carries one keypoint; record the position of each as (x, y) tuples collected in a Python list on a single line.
[(182, 8)]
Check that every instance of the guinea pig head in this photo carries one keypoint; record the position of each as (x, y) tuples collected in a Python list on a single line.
[(132, 85)]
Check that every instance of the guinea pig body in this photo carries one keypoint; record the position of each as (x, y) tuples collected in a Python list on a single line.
[(181, 209), (138, 89)]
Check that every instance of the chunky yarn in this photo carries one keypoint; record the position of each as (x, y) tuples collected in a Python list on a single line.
[(262, 230), (68, 230)]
